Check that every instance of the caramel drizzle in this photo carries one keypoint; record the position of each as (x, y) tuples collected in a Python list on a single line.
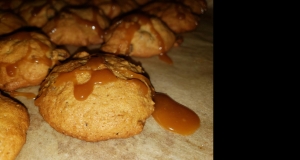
[(133, 24), (98, 77), (12, 68), (28, 95)]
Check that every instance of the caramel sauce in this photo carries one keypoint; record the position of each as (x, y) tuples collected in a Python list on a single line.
[(12, 68), (164, 57), (82, 91), (173, 116), (28, 95), (98, 77), (141, 78)]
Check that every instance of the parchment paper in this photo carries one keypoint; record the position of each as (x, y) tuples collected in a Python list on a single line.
[(189, 81)]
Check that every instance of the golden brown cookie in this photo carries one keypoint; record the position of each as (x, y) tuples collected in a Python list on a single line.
[(177, 16), (96, 98), (197, 6), (114, 8), (9, 22), (25, 59), (14, 122), (138, 35), (77, 26), (37, 12)]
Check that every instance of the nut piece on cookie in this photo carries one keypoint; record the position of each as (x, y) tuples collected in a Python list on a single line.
[(25, 59), (77, 26), (177, 16), (14, 123), (96, 97), (138, 35), (9, 22)]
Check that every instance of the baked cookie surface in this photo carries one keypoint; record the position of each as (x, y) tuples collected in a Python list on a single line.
[(177, 16), (14, 122), (25, 59), (9, 22), (96, 98), (36, 12), (114, 8), (77, 26)]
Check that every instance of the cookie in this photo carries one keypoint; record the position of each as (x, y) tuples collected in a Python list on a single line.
[(114, 8), (96, 97), (9, 22), (138, 35), (14, 123), (177, 16), (197, 6), (77, 26), (37, 12), (25, 59)]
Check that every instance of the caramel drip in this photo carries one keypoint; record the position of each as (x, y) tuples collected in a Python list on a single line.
[(95, 62), (173, 116), (28, 95), (135, 76), (82, 91), (11, 68), (133, 24), (164, 57), (98, 77), (129, 27)]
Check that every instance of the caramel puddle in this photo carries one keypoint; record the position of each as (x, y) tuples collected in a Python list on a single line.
[(173, 116)]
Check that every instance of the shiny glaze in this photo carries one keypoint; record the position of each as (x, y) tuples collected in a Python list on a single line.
[(173, 116), (97, 77)]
